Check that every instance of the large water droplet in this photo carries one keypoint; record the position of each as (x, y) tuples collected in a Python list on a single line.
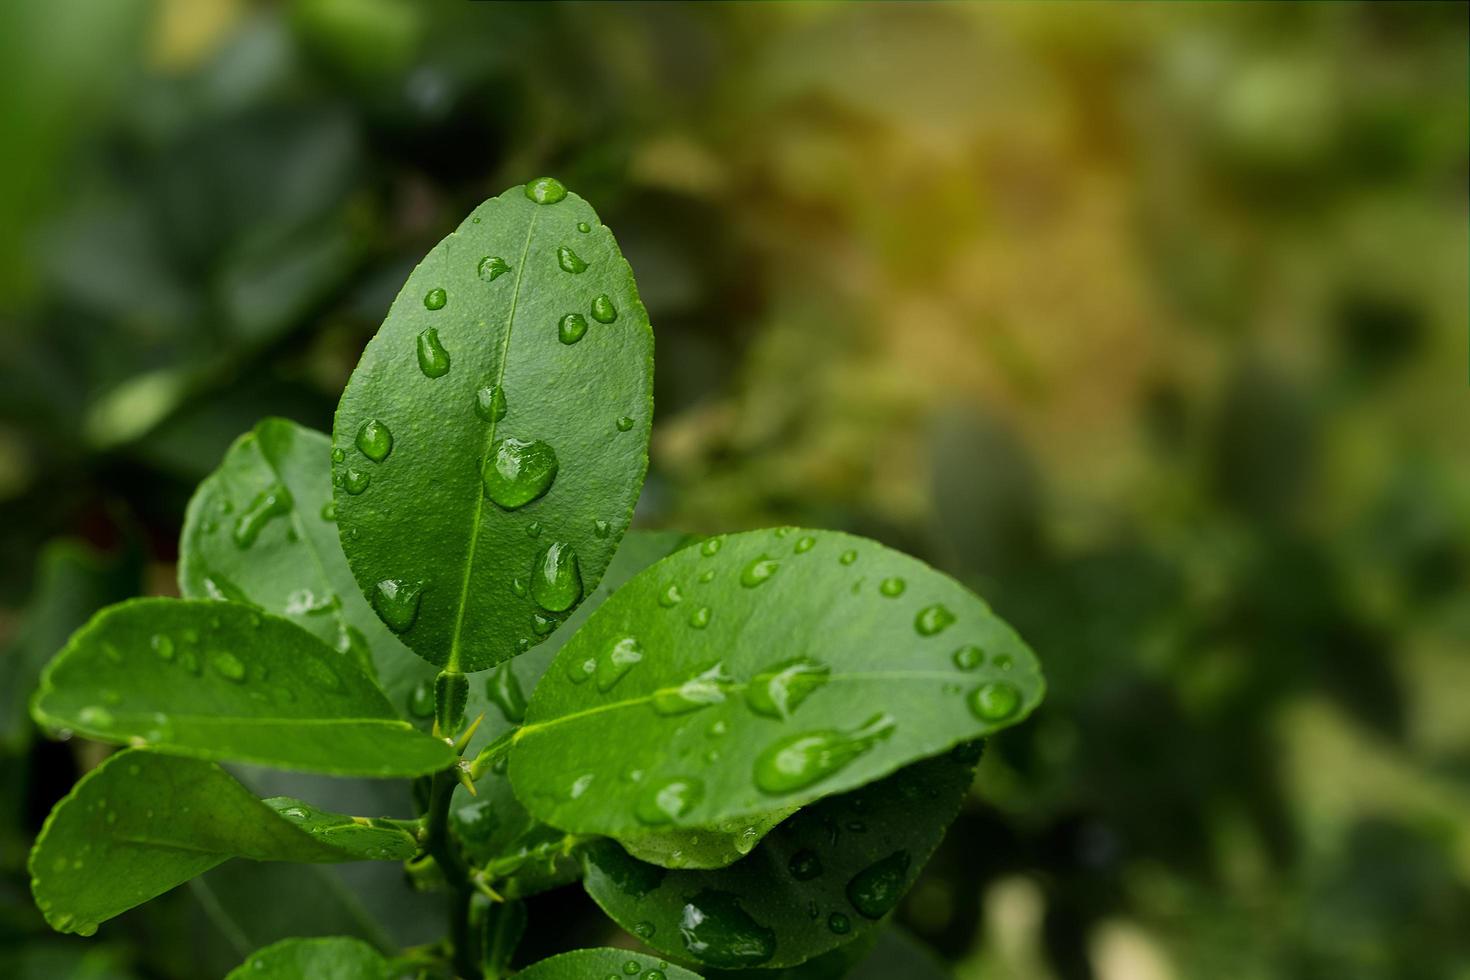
[(933, 619), (798, 761), (664, 802), (490, 403), (995, 701), (517, 472), (717, 931), (504, 691), (492, 267), (603, 310), (876, 889), (780, 689), (616, 661), (435, 298), (805, 865), (556, 580), (758, 571), (572, 328), (355, 481), (397, 602), (374, 440), (704, 689), (433, 358), (546, 190), (421, 700), (569, 261), (274, 501), (227, 665)]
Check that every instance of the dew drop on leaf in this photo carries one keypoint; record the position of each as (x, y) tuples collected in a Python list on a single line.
[(969, 657), (603, 310), (435, 298), (615, 663), (643, 930), (666, 801), (517, 472), (556, 580), (95, 716), (758, 571), (579, 671), (492, 267), (876, 889), (699, 619), (272, 502), (433, 358), (162, 645), (601, 528), (717, 931), (374, 440), (546, 190), (355, 481), (572, 328), (670, 596), (848, 557), (700, 691), (570, 261), (625, 423), (995, 701), (490, 403), (892, 587), (397, 602), (329, 511), (583, 227), (933, 619), (798, 761), (779, 690), (839, 924), (805, 865), (803, 545), (227, 665)]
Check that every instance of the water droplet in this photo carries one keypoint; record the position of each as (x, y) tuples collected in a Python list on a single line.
[(717, 931), (625, 423), (435, 298), (663, 802), (227, 665), (711, 546), (620, 658), (572, 328), (839, 923), (1002, 661), (543, 625), (654, 975), (518, 587), (603, 310), (569, 261), (876, 889), (933, 619), (517, 472), (632, 967), (421, 700), (329, 511), (492, 267), (490, 403), (670, 596), (546, 190), (798, 761), (433, 358), (968, 657), (556, 581), (995, 701), (163, 646), (892, 587), (803, 545), (355, 481), (780, 689), (848, 557), (758, 571), (95, 716), (397, 603), (805, 865), (601, 528), (272, 502), (579, 786), (643, 930), (707, 576), (504, 691), (583, 227), (338, 455), (699, 619), (374, 440), (579, 671), (700, 691), (533, 529)]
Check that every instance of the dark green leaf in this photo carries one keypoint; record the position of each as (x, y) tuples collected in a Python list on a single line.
[(594, 964), (757, 672), (327, 958), (262, 529), (375, 838), (492, 441), (219, 680), (142, 823), (819, 880)]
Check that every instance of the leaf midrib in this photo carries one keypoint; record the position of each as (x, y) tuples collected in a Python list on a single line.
[(452, 663)]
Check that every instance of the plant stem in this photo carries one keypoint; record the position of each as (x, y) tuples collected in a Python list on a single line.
[(445, 851)]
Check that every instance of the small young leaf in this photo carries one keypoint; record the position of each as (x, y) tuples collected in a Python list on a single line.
[(373, 838), (219, 680), (594, 964), (757, 672), (706, 847), (821, 879), (142, 823), (327, 958), (261, 529), (492, 441)]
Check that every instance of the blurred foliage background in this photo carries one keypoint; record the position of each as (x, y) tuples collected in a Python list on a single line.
[(1149, 322)]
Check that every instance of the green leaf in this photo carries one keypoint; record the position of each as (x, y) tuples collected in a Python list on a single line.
[(327, 958), (491, 444), (494, 827), (374, 838), (262, 529), (757, 672), (594, 964), (219, 680), (821, 879), (141, 823), (706, 847)]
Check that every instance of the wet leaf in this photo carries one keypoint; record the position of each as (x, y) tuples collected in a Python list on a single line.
[(585, 964), (326, 958)]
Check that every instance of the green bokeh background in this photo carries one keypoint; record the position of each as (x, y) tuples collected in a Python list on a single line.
[(1149, 322)]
